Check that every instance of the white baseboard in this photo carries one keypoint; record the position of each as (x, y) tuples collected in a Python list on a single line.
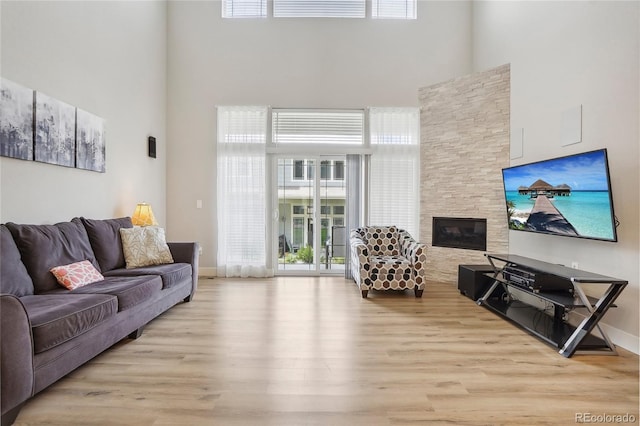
[(618, 337), (207, 272), (622, 338)]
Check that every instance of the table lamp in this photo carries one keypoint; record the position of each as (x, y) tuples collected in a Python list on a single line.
[(143, 215)]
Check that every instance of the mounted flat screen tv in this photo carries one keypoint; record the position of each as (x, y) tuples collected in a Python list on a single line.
[(568, 196)]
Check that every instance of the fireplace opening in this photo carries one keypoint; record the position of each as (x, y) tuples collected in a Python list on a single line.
[(462, 233)]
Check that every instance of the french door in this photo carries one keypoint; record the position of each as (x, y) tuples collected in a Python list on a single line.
[(310, 199)]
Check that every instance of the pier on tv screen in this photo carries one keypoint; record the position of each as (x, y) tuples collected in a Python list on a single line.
[(568, 196)]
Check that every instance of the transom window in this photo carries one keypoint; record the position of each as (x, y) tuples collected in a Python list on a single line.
[(244, 8), (394, 9), (307, 126), (380, 9), (319, 8)]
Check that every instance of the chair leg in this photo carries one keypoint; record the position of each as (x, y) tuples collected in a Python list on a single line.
[(364, 293), (418, 292)]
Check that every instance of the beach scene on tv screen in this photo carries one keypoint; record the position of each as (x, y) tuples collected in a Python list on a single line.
[(565, 196)]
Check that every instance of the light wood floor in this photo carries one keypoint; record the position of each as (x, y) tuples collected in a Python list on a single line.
[(311, 351)]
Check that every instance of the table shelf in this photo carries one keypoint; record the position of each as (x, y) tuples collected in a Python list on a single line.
[(540, 324), (552, 327), (564, 298)]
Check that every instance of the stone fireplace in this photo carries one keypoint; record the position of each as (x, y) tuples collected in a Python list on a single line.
[(464, 131)]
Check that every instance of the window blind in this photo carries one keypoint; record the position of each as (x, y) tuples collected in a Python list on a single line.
[(315, 126), (394, 9), (241, 191), (394, 183), (319, 8), (244, 8), (242, 125)]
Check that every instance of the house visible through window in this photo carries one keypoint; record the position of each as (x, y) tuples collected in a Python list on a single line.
[(298, 170), (325, 170), (312, 202), (329, 170), (338, 170)]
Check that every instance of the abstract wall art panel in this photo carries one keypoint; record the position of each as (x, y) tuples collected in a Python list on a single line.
[(55, 131), (16, 120), (90, 142)]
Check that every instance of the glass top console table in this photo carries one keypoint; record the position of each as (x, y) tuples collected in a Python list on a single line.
[(560, 289)]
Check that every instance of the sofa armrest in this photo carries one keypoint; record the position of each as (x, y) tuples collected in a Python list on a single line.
[(359, 256), (415, 252), (187, 253), (16, 356)]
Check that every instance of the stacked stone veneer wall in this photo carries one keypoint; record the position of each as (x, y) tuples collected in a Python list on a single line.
[(464, 146)]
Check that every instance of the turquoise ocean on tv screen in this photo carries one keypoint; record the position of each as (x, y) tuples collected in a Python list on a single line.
[(588, 211)]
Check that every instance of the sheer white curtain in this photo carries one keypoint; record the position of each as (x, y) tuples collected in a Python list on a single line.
[(354, 204), (394, 177), (241, 175)]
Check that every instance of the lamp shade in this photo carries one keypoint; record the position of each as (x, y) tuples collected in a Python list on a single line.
[(143, 215)]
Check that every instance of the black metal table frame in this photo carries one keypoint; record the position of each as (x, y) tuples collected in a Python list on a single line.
[(595, 311)]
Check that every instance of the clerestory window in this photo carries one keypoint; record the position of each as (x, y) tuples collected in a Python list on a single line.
[(244, 8), (379, 9), (319, 8), (394, 9)]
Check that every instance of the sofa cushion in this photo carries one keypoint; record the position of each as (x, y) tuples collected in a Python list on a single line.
[(130, 291), (76, 275), (106, 242), (56, 319), (14, 278), (392, 271), (382, 240), (145, 246), (171, 274), (44, 246)]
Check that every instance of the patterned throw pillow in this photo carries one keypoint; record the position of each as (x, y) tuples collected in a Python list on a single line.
[(76, 275), (144, 246)]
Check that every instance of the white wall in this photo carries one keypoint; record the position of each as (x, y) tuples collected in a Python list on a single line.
[(108, 58), (288, 63), (565, 54)]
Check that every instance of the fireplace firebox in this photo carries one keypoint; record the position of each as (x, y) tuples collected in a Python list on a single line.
[(461, 233)]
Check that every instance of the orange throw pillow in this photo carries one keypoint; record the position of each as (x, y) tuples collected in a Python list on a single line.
[(76, 275)]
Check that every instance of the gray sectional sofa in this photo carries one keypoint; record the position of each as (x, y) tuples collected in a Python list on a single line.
[(46, 330)]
